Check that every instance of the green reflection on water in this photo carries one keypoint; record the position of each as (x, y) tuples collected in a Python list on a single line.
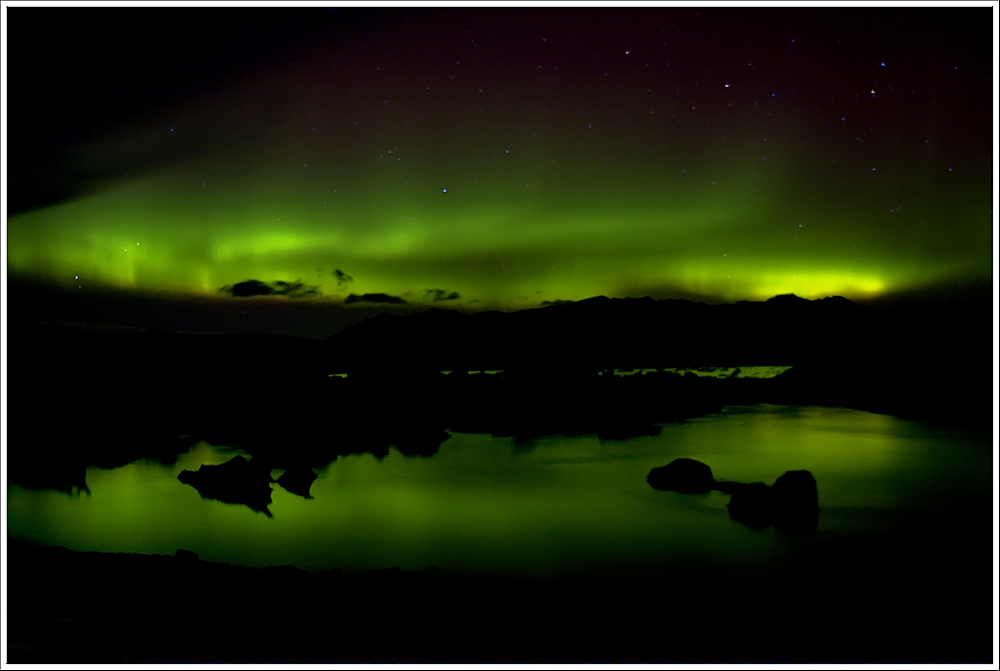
[(549, 505)]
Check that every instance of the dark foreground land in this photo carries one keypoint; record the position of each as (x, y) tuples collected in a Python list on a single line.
[(120, 395), (890, 599), (919, 592)]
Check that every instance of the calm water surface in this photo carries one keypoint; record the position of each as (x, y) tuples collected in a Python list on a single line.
[(546, 506)]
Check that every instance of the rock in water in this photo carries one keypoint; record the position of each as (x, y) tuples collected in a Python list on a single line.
[(796, 502), (686, 476), (752, 505), (419, 441), (796, 489), (236, 481), (791, 504)]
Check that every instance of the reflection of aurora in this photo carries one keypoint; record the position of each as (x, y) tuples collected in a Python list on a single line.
[(166, 235), (481, 503)]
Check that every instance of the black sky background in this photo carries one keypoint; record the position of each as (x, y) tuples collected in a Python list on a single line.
[(77, 74)]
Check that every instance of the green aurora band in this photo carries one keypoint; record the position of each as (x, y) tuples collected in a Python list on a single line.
[(500, 247), (513, 196)]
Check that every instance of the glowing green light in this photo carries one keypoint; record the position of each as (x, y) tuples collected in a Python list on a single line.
[(492, 245)]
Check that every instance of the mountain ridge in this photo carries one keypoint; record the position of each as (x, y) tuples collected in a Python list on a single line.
[(601, 332)]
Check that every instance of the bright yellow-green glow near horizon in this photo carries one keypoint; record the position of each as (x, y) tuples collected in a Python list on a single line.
[(169, 235), (424, 166)]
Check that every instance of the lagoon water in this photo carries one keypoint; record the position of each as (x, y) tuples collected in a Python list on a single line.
[(544, 507)]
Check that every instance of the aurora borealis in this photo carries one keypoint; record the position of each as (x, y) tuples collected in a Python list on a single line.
[(397, 281), (503, 157)]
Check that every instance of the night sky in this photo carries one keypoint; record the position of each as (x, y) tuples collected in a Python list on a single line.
[(497, 158)]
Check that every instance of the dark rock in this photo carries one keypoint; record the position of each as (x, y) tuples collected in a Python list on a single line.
[(752, 505), (31, 471), (795, 489), (185, 555), (686, 476), (236, 481), (297, 480), (791, 504), (727, 487), (419, 441), (796, 502)]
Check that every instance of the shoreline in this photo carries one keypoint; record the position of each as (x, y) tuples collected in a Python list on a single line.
[(869, 600)]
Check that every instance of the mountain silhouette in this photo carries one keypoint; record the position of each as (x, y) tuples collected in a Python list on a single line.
[(925, 361), (601, 332), (122, 395)]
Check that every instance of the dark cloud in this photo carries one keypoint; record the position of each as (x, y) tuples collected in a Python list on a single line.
[(373, 298), (441, 295), (248, 288), (342, 277), (556, 302), (295, 289), (279, 288)]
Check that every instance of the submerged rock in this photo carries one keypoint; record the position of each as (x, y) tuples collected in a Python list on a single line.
[(236, 481), (686, 476)]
